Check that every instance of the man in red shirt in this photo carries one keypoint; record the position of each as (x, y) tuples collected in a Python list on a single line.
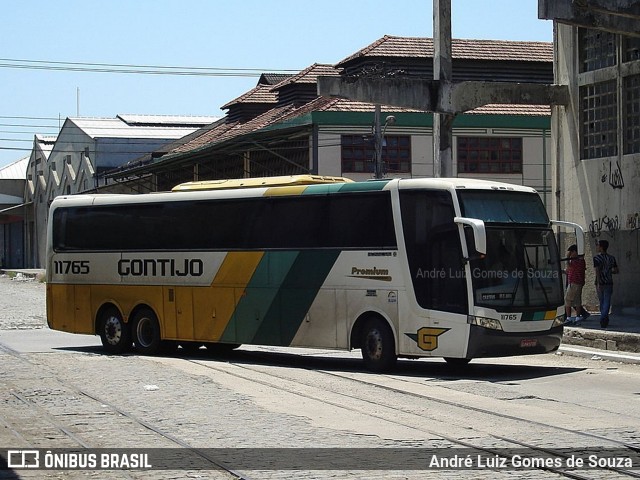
[(575, 281)]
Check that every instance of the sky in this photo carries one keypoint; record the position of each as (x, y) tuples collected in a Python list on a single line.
[(49, 51)]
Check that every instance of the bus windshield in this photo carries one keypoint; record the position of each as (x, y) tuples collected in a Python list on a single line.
[(521, 269), (498, 206)]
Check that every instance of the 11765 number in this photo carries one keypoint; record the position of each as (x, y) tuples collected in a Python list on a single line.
[(75, 267)]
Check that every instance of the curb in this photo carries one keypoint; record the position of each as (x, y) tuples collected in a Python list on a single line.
[(602, 340), (595, 354)]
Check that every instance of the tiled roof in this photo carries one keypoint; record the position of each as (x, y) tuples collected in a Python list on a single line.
[(421, 47), (280, 115), (528, 110), (228, 130), (324, 104), (309, 75), (259, 94), (272, 78), (208, 135)]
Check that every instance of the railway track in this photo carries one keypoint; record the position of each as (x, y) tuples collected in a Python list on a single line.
[(61, 428), (391, 410)]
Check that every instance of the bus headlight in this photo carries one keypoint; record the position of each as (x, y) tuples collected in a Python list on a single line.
[(558, 321), (490, 323)]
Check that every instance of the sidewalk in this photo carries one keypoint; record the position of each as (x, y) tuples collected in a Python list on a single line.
[(620, 341)]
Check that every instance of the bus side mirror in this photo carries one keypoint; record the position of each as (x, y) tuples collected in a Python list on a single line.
[(479, 235), (579, 233)]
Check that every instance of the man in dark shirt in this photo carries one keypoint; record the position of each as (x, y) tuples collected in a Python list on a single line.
[(605, 266)]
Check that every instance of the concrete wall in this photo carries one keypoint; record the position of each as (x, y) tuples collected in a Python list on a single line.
[(601, 194)]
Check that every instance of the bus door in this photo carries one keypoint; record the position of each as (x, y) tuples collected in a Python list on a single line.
[(178, 313)]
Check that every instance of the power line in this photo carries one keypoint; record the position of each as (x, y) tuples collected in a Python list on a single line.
[(137, 69), (28, 118)]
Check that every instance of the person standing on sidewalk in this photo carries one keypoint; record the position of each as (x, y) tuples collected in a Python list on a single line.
[(576, 269), (605, 266)]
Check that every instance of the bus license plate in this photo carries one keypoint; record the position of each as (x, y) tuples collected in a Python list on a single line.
[(528, 342)]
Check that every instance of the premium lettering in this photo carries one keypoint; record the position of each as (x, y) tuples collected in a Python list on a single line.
[(160, 267)]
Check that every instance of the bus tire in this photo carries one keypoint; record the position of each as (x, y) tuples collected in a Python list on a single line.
[(146, 332), (114, 332), (378, 346)]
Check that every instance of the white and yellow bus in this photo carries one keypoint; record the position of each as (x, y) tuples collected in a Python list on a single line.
[(452, 268)]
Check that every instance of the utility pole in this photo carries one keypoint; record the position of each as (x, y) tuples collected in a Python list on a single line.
[(443, 73), (378, 138), (377, 145)]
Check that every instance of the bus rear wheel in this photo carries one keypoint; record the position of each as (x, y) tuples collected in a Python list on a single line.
[(114, 333), (378, 346), (146, 332)]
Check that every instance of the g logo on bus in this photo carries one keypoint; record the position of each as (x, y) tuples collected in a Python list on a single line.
[(427, 337)]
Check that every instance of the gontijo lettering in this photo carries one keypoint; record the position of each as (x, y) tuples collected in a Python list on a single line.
[(161, 267)]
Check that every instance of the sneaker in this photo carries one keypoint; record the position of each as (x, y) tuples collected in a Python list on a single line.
[(570, 321), (585, 315), (579, 319), (604, 322)]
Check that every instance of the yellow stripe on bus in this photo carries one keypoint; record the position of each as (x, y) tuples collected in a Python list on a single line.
[(226, 291), (292, 190)]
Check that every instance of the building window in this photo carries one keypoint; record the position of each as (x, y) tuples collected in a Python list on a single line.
[(599, 120), (631, 91), (630, 49), (358, 153), (489, 155), (597, 49)]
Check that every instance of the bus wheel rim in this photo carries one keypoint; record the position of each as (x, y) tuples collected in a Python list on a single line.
[(144, 332), (113, 330), (374, 344)]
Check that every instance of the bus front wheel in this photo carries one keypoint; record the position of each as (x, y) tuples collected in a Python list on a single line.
[(114, 333), (146, 332), (378, 346)]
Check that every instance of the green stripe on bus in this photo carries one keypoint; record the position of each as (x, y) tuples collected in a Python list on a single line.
[(323, 189), (372, 185), (537, 316), (258, 296), (296, 294)]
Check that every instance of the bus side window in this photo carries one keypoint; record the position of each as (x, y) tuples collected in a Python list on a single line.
[(433, 250)]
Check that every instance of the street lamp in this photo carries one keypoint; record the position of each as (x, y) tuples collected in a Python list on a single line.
[(379, 138)]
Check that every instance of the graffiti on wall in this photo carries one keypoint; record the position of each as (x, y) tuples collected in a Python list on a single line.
[(614, 176), (606, 224)]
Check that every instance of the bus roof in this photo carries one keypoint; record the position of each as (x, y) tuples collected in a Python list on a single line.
[(288, 180), (273, 187), (461, 183)]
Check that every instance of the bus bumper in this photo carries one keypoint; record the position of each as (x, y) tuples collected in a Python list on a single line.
[(484, 342)]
